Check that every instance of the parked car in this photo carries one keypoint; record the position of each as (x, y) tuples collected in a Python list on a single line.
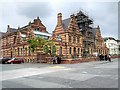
[(15, 61), (4, 60)]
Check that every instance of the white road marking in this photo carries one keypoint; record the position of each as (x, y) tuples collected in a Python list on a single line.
[(19, 73)]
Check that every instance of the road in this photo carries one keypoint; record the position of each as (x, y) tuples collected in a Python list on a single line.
[(99, 74)]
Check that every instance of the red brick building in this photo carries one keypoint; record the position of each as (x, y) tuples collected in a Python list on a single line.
[(67, 37), (72, 37), (14, 41), (99, 45)]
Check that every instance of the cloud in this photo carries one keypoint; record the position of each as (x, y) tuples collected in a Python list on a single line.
[(104, 14), (33, 9)]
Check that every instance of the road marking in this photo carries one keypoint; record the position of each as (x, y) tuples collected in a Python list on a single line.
[(57, 67), (84, 72), (25, 72)]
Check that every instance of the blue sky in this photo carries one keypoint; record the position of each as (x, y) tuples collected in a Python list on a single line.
[(19, 13)]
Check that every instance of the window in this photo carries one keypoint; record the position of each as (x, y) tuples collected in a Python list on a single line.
[(74, 30), (36, 29), (74, 50), (15, 52), (14, 39), (74, 39), (69, 39), (21, 51), (23, 38), (78, 40), (78, 50), (29, 51), (58, 37), (25, 51), (60, 50), (70, 50), (18, 51)]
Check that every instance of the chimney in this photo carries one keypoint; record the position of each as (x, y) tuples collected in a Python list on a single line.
[(8, 26), (38, 17), (98, 27), (72, 16), (29, 23), (59, 19), (18, 27)]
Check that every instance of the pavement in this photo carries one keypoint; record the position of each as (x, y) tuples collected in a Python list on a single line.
[(98, 74)]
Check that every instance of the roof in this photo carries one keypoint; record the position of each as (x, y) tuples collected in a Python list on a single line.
[(94, 31), (118, 40), (13, 30), (41, 33), (65, 23), (2, 34), (111, 38)]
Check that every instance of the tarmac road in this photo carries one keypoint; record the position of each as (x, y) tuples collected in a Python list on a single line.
[(99, 74)]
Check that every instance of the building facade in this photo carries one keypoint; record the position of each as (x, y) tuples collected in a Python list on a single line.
[(99, 45), (67, 37), (85, 24), (74, 37), (113, 45), (14, 41)]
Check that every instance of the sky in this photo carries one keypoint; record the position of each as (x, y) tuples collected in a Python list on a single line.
[(20, 13)]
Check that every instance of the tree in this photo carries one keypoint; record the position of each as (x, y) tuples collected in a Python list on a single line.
[(36, 43), (50, 48), (41, 44), (33, 44)]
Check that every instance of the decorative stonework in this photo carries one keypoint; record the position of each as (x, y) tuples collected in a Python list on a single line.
[(66, 38)]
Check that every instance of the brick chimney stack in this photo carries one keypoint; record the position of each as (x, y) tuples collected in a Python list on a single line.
[(8, 26), (59, 19), (98, 27)]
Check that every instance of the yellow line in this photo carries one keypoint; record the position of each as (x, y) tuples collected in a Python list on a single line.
[(57, 67)]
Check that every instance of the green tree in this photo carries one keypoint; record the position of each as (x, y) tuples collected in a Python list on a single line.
[(36, 43), (41, 44), (50, 48), (33, 44)]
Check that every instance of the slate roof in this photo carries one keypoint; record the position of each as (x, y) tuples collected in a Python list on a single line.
[(12, 30), (106, 38), (41, 33), (94, 31), (65, 23), (2, 34)]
